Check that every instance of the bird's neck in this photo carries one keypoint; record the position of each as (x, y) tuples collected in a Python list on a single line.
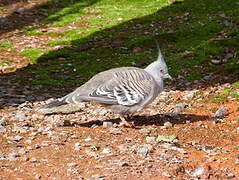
[(153, 69)]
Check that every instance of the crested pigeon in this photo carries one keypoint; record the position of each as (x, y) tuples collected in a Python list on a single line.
[(124, 90)]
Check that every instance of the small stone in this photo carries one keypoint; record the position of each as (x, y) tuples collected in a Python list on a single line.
[(28, 141), (168, 124), (229, 56), (106, 151), (16, 138), (108, 124), (119, 163), (2, 129), (199, 171), (3, 19), (33, 160), (21, 116), (88, 139), (115, 131), (12, 156), (189, 96), (25, 159), (103, 112), (77, 144), (72, 164), (58, 47), (151, 139), (207, 78), (123, 164), (3, 122), (143, 150), (181, 105), (23, 151), (165, 138), (216, 61), (221, 112), (20, 10), (226, 23), (230, 175), (177, 110)]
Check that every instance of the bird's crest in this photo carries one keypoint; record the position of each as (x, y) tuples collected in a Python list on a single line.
[(160, 56)]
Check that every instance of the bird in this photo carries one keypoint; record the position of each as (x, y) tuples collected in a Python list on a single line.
[(124, 90)]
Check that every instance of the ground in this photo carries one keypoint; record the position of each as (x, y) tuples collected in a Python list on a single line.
[(189, 132)]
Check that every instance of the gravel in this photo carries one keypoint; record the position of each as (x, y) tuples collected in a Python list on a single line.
[(77, 145), (167, 125), (199, 171), (115, 131), (3, 122), (21, 116), (151, 139), (143, 150), (72, 164), (106, 151), (16, 138), (2, 129), (108, 125), (88, 139), (3, 19), (22, 151), (181, 105), (221, 112), (189, 96), (13, 156)]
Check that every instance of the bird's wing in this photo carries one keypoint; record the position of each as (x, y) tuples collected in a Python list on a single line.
[(126, 88)]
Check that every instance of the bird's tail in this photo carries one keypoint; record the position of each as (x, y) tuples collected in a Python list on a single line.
[(53, 104)]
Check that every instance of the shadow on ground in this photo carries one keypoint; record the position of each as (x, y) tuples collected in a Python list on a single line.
[(157, 120), (176, 27), (37, 14)]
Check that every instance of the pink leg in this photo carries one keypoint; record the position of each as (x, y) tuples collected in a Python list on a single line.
[(125, 123)]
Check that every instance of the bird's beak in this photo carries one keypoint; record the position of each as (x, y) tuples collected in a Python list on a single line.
[(167, 76)]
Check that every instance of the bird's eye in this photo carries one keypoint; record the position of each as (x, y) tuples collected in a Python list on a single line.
[(161, 70)]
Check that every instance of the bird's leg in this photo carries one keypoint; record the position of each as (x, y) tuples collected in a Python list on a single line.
[(125, 123)]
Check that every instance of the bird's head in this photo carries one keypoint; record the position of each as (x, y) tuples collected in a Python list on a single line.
[(158, 69)]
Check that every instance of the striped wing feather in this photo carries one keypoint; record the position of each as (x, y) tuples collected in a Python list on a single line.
[(124, 86)]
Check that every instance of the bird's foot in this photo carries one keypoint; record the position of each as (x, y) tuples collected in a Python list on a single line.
[(125, 123)]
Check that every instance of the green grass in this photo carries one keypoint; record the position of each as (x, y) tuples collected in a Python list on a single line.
[(31, 30), (32, 54), (5, 45), (103, 34), (226, 93), (236, 85), (5, 62)]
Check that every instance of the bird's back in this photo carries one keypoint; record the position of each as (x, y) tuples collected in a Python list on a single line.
[(126, 86)]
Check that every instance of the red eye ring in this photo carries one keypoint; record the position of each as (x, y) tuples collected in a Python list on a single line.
[(161, 70)]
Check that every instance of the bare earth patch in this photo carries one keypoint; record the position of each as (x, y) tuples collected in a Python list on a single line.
[(77, 145)]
